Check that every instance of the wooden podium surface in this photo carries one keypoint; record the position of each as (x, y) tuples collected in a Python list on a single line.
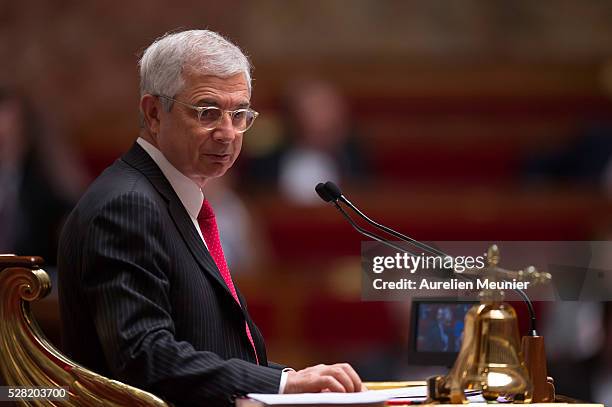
[(245, 402)]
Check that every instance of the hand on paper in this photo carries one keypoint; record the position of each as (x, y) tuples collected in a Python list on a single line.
[(340, 377)]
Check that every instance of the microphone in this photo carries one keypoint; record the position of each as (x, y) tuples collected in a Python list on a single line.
[(330, 192), (324, 192), (333, 191), (331, 195)]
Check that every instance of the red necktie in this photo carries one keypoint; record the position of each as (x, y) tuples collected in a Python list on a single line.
[(210, 231)]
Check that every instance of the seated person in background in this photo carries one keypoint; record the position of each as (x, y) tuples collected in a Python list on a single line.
[(146, 295), (40, 180), (584, 159), (320, 144)]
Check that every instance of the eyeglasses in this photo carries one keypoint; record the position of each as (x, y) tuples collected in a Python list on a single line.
[(210, 117)]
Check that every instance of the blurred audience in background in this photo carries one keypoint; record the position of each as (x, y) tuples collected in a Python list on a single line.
[(40, 180), (586, 158), (319, 143)]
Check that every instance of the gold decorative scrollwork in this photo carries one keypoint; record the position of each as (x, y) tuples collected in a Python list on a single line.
[(29, 359)]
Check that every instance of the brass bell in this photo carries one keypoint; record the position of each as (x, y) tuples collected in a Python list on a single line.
[(490, 357)]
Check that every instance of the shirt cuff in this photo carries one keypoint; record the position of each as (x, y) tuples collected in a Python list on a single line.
[(283, 381)]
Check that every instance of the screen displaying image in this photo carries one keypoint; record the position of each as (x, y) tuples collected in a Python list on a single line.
[(440, 326)]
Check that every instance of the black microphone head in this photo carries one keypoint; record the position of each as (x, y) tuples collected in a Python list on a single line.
[(323, 192), (333, 191)]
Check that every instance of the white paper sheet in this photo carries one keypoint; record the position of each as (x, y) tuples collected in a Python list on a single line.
[(415, 393), (371, 396), (319, 398)]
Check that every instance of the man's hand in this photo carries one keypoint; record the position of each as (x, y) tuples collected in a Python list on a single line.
[(337, 378)]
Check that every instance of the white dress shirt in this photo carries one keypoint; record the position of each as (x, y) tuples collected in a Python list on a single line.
[(191, 197), (188, 191)]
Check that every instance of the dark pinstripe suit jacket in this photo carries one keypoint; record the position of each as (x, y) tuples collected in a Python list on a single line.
[(142, 300)]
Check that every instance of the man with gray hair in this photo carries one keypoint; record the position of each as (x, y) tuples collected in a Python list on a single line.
[(146, 295)]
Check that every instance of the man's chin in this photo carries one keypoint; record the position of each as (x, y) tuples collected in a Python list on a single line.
[(215, 171)]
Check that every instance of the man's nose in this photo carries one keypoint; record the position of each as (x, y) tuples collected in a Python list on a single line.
[(224, 132)]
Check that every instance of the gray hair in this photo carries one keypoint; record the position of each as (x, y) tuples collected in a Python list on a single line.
[(164, 61)]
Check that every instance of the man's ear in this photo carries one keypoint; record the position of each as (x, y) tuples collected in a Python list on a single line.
[(150, 109)]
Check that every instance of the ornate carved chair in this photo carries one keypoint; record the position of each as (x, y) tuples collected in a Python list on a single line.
[(27, 358)]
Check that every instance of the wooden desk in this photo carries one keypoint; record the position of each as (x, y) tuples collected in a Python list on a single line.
[(394, 385)]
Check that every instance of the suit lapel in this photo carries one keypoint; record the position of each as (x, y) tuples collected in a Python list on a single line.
[(258, 338), (194, 242), (139, 159)]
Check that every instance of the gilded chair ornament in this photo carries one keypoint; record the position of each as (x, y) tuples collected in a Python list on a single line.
[(30, 360)]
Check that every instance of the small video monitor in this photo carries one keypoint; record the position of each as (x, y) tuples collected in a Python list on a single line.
[(436, 330)]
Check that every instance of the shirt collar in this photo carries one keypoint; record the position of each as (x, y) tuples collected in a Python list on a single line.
[(187, 190)]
